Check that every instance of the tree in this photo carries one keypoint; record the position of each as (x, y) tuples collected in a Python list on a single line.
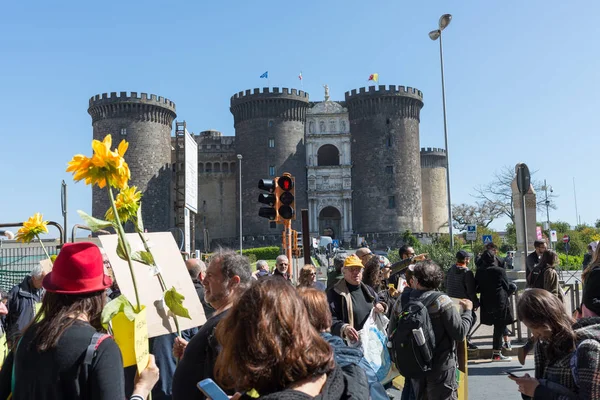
[(499, 191), (481, 214), (597, 224)]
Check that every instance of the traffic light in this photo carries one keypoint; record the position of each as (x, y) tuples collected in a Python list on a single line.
[(285, 191), (269, 198)]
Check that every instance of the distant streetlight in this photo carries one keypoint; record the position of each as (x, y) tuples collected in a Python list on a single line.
[(547, 202), (435, 35), (239, 156)]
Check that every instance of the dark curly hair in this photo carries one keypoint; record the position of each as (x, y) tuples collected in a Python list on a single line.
[(428, 274), (371, 274)]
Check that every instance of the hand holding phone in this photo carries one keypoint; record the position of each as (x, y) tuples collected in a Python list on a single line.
[(212, 390), (512, 375)]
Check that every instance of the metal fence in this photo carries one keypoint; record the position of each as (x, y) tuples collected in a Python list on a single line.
[(17, 262)]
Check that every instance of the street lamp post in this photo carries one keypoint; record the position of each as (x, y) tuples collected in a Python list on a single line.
[(434, 35), (239, 156), (547, 202)]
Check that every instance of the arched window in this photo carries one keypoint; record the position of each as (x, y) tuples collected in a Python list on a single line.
[(217, 167), (201, 167), (225, 167), (208, 167), (232, 166), (328, 154)]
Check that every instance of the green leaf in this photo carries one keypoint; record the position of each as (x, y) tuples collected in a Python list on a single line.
[(145, 257), (139, 222), (174, 301), (115, 306), (94, 224), (121, 246)]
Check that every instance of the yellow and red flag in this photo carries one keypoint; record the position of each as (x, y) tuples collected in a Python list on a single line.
[(374, 77)]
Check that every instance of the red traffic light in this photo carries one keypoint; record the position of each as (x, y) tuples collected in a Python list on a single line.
[(285, 183)]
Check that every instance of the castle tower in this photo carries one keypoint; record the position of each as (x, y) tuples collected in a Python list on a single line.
[(386, 175), (269, 134), (146, 123), (433, 184)]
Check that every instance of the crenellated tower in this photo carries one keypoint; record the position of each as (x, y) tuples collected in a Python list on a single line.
[(386, 173), (146, 122), (269, 134), (433, 183)]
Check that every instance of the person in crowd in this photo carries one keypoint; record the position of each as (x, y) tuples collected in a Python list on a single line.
[(544, 275), (308, 278), (23, 302), (348, 358), (281, 267), (64, 351), (262, 270), (227, 276), (509, 260), (3, 311), (197, 270), (589, 255), (364, 253), (407, 257), (533, 258), (590, 306), (373, 276), (351, 301), (567, 356), (494, 288), (460, 284), (448, 326), (282, 356), (336, 274)]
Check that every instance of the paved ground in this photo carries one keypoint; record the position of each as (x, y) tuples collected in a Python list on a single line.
[(488, 380)]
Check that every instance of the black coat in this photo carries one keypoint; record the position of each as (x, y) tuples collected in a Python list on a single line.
[(494, 288)]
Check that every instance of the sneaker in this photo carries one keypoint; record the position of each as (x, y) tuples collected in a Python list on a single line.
[(471, 346), (507, 346), (500, 357)]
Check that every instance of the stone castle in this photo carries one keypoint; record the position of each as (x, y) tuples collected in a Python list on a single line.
[(357, 163)]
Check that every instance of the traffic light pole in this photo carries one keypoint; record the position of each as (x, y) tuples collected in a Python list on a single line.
[(287, 224)]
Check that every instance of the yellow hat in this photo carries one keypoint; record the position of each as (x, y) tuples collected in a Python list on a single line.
[(353, 261)]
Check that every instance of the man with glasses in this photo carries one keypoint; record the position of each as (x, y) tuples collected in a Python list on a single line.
[(364, 254), (281, 267), (351, 301)]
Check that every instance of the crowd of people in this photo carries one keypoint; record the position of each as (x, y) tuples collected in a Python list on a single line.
[(265, 337)]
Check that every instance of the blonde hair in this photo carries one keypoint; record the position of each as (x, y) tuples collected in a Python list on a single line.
[(305, 279)]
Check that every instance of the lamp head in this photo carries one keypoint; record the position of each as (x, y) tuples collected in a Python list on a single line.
[(239, 156), (434, 35), (445, 21)]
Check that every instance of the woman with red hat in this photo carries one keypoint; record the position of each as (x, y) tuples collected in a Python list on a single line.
[(61, 354)]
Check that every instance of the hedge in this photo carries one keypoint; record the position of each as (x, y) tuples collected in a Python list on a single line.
[(263, 253)]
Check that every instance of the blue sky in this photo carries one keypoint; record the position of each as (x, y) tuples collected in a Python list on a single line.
[(522, 79)]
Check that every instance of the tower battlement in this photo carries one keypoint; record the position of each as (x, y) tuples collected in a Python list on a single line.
[(383, 90), (132, 97), (433, 157), (151, 108), (267, 93)]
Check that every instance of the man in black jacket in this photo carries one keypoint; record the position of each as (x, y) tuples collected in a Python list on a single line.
[(533, 258), (460, 284)]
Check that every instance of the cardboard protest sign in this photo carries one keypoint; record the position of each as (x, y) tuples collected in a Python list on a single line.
[(174, 272)]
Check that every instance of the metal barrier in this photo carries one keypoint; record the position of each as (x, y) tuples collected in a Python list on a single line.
[(17, 259)]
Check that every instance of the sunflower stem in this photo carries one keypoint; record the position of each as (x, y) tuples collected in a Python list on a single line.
[(44, 248), (161, 280), (121, 233)]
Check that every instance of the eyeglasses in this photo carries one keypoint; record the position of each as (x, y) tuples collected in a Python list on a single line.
[(411, 254), (313, 274), (282, 264)]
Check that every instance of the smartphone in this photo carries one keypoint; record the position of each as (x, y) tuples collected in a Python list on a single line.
[(511, 374), (212, 390)]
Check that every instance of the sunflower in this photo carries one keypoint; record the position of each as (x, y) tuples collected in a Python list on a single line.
[(106, 166), (32, 228), (127, 203)]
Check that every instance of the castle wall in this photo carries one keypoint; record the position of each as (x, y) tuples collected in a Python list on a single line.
[(146, 123), (433, 184), (259, 116), (386, 175)]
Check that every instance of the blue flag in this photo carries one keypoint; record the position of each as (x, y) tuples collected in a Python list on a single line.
[(265, 75)]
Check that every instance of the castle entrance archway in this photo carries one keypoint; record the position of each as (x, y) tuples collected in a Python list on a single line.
[(330, 222)]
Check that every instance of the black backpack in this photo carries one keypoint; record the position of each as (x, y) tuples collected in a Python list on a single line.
[(414, 360), (535, 279)]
